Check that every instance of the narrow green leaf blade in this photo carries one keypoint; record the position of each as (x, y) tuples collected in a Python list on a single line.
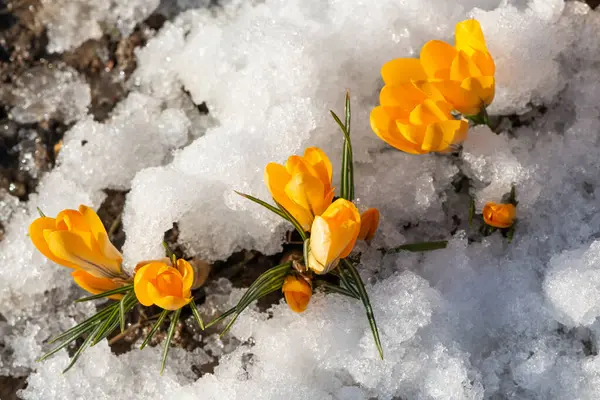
[(170, 334), (264, 204), (157, 325), (196, 314), (366, 302), (120, 290), (345, 279), (68, 340), (220, 317), (334, 289), (81, 348), (419, 247), (168, 250), (39, 210), (83, 325), (471, 211)]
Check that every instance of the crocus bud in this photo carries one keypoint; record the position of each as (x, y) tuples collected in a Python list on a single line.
[(333, 236), (369, 221), (499, 215), (77, 239), (297, 292), (303, 185), (167, 286)]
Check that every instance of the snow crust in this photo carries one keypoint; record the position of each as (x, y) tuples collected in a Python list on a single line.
[(481, 319)]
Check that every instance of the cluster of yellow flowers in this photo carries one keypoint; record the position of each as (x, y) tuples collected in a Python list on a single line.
[(425, 106)]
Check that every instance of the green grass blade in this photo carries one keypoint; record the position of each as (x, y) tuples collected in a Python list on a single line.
[(335, 289), (89, 328), (120, 290), (348, 150), (91, 320), (264, 204), (39, 210), (81, 348), (345, 279), (293, 220), (366, 302), (122, 311), (170, 334), (109, 325), (419, 247), (168, 251), (196, 314), (220, 317), (157, 325)]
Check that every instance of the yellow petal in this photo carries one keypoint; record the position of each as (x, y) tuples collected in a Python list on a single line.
[(321, 163), (307, 192), (369, 221), (387, 130), (297, 293), (71, 220), (99, 232), (142, 281), (276, 178), (463, 100), (469, 36), (320, 245), (483, 87), (402, 70), (463, 67), (430, 112), (436, 59), (36, 234), (169, 283), (187, 273), (439, 136), (75, 249), (96, 285), (400, 100), (499, 215), (484, 62), (171, 302)]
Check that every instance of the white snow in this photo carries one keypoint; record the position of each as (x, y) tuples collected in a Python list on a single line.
[(481, 319)]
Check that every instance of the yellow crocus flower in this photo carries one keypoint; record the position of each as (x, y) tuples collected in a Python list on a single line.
[(303, 185), (297, 292), (499, 215), (160, 283), (333, 236)]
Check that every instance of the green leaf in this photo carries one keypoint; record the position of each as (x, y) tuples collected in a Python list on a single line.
[(39, 210), (471, 211), (305, 251), (168, 250), (335, 289), (511, 232), (197, 315), (293, 220), (347, 170), (70, 338), (107, 325), (81, 348), (366, 302), (82, 326), (157, 325), (264, 204), (419, 247), (122, 312), (170, 334), (266, 283), (345, 279), (120, 290)]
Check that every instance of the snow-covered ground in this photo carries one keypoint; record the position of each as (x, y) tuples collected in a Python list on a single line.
[(480, 319)]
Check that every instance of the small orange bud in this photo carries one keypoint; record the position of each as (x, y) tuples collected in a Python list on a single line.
[(499, 215), (369, 221), (297, 292)]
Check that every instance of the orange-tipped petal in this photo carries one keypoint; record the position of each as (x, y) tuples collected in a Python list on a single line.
[(297, 293), (387, 130), (172, 302), (402, 70), (469, 37), (75, 248), (436, 59), (36, 234), (369, 221), (96, 285)]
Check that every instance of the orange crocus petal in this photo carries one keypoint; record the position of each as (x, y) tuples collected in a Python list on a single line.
[(402, 70), (306, 191), (463, 67), (499, 215), (430, 112), (76, 248), (321, 163), (187, 272), (482, 86), (436, 59), (369, 221), (468, 36), (297, 293), (387, 130), (172, 302), (99, 232), (276, 178), (142, 280), (439, 136), (484, 62), (400, 100), (36, 233), (465, 101), (96, 285)]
